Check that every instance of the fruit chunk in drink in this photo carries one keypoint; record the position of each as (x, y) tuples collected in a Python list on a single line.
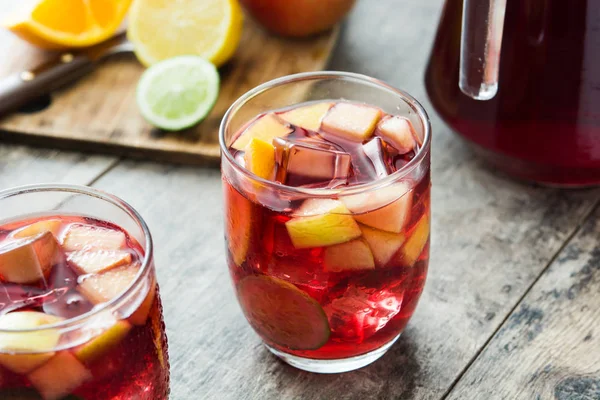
[(335, 275), (55, 268)]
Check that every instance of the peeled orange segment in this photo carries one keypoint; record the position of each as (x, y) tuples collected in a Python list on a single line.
[(103, 343), (398, 131), (383, 244), (351, 121), (79, 237), (161, 29), (387, 209), (238, 224), (39, 343), (101, 288), (327, 222), (92, 262), (414, 245), (60, 24), (307, 117), (30, 259), (350, 256), (48, 225), (266, 128), (282, 314), (260, 158), (59, 376)]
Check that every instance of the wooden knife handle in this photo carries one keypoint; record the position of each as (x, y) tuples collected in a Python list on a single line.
[(18, 89)]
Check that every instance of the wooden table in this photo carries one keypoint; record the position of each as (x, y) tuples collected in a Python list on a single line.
[(511, 309)]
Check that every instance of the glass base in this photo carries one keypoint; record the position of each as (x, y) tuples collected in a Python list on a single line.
[(333, 366)]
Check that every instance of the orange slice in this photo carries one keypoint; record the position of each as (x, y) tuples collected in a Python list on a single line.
[(59, 24)]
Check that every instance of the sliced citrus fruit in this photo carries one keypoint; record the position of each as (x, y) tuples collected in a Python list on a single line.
[(178, 93), (208, 28), (260, 158), (282, 314), (238, 223), (266, 128), (59, 24)]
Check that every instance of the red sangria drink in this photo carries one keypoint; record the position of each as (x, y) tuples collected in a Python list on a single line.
[(80, 312), (327, 209)]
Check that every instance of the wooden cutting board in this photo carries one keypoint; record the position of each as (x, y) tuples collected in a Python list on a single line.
[(99, 113)]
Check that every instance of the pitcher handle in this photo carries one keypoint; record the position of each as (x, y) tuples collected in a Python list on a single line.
[(481, 42)]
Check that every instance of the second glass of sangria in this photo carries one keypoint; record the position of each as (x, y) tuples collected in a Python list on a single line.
[(327, 207), (80, 311)]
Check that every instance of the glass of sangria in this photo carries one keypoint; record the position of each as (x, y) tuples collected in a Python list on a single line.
[(326, 180), (80, 312)]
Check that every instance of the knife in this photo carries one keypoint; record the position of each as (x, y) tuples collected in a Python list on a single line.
[(22, 87)]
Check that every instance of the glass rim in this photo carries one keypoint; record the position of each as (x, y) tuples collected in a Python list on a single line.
[(102, 195), (324, 75)]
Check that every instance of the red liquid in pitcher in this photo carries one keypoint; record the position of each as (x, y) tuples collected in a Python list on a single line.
[(544, 123), (56, 268), (329, 278)]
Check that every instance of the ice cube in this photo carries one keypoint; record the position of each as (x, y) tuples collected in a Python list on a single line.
[(361, 312), (305, 162), (376, 152), (301, 271)]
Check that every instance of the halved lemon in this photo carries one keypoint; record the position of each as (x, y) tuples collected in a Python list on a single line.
[(59, 24), (162, 29)]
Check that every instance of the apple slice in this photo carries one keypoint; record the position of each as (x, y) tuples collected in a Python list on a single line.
[(351, 121), (414, 245), (103, 343), (381, 208), (307, 117), (48, 225), (238, 223), (40, 343), (93, 262), (30, 259), (266, 128), (103, 287), (60, 376), (383, 244), (350, 256), (259, 158), (80, 236), (398, 131), (140, 316), (322, 222)]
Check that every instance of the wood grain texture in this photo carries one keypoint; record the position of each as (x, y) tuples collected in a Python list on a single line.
[(491, 240), (99, 112), (20, 165), (549, 348)]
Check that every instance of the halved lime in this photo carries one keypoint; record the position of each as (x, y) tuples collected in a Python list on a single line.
[(178, 93), (283, 314)]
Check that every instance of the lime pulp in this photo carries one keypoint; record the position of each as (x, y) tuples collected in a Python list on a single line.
[(178, 93)]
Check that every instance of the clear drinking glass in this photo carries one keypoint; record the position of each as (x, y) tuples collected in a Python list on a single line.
[(107, 341), (313, 317)]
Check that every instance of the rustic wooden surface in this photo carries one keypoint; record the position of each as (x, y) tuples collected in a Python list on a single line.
[(510, 309), (99, 113)]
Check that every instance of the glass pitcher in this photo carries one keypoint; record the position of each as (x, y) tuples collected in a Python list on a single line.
[(520, 80)]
